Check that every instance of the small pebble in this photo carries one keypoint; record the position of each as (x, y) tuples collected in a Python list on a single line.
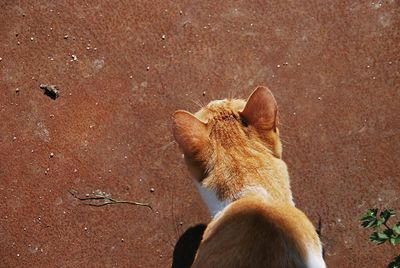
[(14, 138), (32, 38), (147, 68), (66, 36), (152, 190), (278, 66), (85, 228), (163, 37), (74, 57), (319, 98), (16, 90), (1, 59), (204, 93), (122, 240), (51, 155)]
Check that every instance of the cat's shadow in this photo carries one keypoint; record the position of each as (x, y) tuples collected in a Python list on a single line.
[(187, 245)]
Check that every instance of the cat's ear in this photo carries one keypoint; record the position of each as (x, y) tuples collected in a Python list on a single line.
[(261, 109), (190, 133)]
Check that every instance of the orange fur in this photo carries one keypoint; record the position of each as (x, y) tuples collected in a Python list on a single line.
[(232, 148), (252, 233)]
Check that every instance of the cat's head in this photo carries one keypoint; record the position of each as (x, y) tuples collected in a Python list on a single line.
[(229, 126)]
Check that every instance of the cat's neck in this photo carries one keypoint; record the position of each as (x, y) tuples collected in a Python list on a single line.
[(236, 172)]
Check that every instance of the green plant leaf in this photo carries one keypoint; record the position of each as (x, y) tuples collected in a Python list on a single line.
[(378, 237), (372, 212), (370, 223), (388, 232), (395, 240), (395, 263), (383, 236), (369, 219), (396, 228), (387, 214)]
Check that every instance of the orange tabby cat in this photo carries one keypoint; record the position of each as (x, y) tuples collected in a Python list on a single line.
[(233, 150)]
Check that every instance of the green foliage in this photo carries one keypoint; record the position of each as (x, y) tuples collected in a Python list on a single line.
[(395, 263), (371, 219), (380, 235)]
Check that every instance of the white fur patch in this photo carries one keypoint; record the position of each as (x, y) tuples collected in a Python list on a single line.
[(215, 206), (315, 259)]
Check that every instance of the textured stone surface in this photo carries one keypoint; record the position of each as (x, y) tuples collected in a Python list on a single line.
[(123, 67)]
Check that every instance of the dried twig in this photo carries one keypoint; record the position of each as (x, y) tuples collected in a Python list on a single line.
[(101, 199)]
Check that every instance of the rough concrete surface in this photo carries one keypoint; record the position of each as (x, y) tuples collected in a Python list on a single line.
[(123, 67)]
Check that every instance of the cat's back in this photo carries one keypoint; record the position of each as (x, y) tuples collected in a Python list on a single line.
[(253, 233)]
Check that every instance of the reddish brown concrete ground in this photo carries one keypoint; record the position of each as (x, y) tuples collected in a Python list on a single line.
[(333, 67)]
